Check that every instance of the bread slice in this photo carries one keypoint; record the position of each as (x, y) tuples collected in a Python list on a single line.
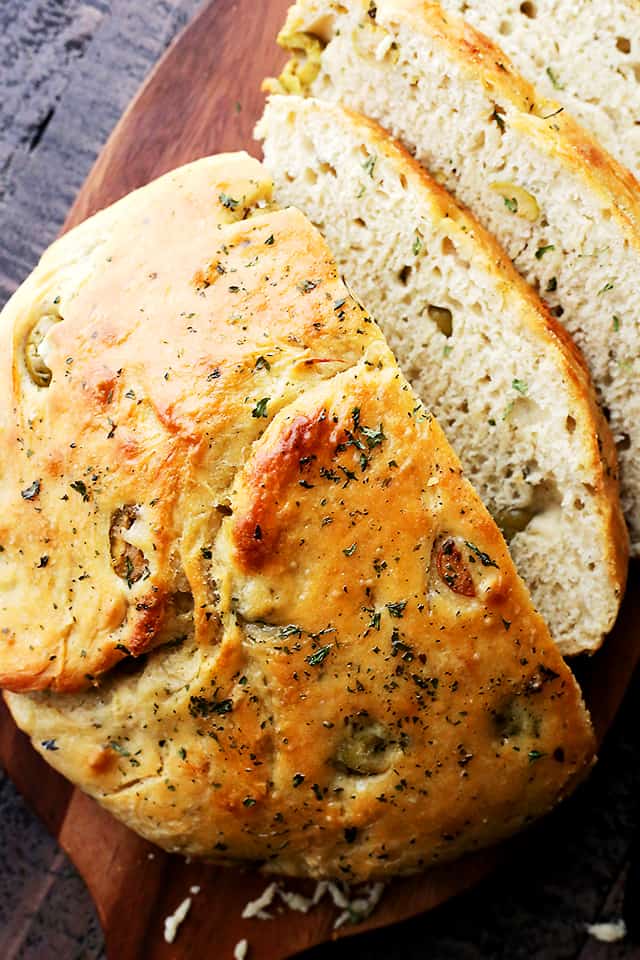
[(480, 350), (586, 55), (330, 665), (566, 213)]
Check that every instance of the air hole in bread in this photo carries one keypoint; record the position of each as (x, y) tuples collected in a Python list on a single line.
[(129, 562), (557, 311), (182, 603), (310, 175), (403, 181), (404, 274), (636, 71), (505, 28), (129, 666), (442, 318), (448, 248), (224, 509), (366, 747), (578, 503), (478, 141), (359, 222), (529, 9), (570, 424), (328, 168), (623, 44), (623, 442), (36, 366)]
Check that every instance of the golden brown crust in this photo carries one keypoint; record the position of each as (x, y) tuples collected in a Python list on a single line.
[(359, 716), (317, 691), (136, 382)]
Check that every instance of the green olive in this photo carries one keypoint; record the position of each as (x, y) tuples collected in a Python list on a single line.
[(514, 520), (36, 366), (365, 748)]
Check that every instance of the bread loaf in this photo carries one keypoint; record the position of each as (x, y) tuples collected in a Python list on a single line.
[(268, 618), (479, 348), (567, 214), (585, 55)]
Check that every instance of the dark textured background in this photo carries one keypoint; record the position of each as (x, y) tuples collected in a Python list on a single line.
[(68, 68)]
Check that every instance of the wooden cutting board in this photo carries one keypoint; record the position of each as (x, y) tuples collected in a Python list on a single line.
[(204, 97)]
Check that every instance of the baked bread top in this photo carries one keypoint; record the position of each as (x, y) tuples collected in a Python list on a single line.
[(481, 350), (566, 212), (338, 670), (134, 376)]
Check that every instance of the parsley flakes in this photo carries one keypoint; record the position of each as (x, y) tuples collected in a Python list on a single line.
[(260, 409), (520, 385), (483, 557), (228, 202), (315, 659), (32, 491), (80, 487), (397, 609), (201, 707)]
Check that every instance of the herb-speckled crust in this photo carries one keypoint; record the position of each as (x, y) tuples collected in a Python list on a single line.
[(362, 686)]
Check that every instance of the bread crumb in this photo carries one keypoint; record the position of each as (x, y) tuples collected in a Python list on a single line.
[(355, 906), (240, 950), (172, 922), (194, 890), (361, 907), (256, 908), (295, 901), (608, 932)]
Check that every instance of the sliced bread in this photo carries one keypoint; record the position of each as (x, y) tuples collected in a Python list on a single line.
[(319, 657), (565, 211), (480, 349), (587, 55)]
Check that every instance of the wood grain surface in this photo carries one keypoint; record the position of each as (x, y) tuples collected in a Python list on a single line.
[(204, 97)]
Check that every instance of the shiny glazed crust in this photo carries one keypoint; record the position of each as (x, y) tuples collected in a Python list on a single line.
[(342, 674)]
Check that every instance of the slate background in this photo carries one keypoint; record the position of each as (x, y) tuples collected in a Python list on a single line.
[(68, 68)]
